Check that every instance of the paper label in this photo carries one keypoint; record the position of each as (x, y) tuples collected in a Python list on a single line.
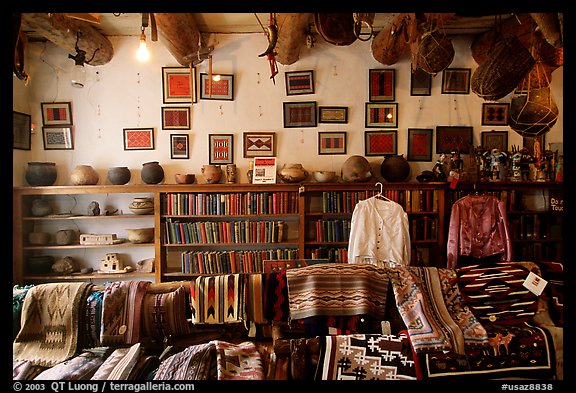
[(386, 330), (535, 284)]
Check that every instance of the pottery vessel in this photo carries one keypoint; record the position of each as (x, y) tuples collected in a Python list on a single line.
[(324, 176), (356, 169), (65, 237), (292, 173), (119, 175), (66, 265), (395, 168), (141, 205), (40, 208), (39, 238), (39, 264), (212, 173), (140, 235), (84, 175), (231, 173), (187, 178), (152, 172), (41, 173)]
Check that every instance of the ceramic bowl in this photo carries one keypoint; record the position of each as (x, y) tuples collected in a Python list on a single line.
[(140, 235), (187, 178), (324, 176)]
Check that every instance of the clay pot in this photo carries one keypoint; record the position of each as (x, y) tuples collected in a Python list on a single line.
[(119, 175), (395, 168), (65, 237), (38, 238), (356, 169), (212, 173), (152, 172), (84, 175), (292, 173), (324, 176), (187, 178), (41, 173), (40, 208), (141, 205), (39, 264), (140, 235)]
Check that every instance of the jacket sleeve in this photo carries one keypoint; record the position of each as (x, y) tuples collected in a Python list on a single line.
[(504, 231), (354, 235), (453, 237)]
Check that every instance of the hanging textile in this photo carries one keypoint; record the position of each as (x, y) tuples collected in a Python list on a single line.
[(217, 299), (478, 229), (379, 233)]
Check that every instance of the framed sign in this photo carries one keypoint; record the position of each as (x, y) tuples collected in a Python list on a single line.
[(300, 114), (381, 115), (259, 144), (57, 138), (221, 87), (495, 114), (380, 143), (138, 138), (56, 113), (495, 139), (179, 85), (299, 82), (381, 85), (419, 144), (179, 146), (451, 138), (21, 130), (333, 114), (420, 83), (456, 81), (332, 143), (221, 149), (176, 118)]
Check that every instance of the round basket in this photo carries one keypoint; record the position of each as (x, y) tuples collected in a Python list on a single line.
[(435, 52), (533, 113)]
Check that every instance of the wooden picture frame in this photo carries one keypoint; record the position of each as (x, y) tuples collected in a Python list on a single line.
[(380, 143), (331, 142), (495, 139), (21, 130), (56, 113), (381, 85), (451, 138), (299, 114), (221, 149), (333, 114), (420, 83), (529, 141), (179, 146), (419, 144), (222, 87), (138, 138), (179, 85), (299, 82), (456, 81), (259, 144), (495, 114), (378, 115), (175, 117), (57, 138)]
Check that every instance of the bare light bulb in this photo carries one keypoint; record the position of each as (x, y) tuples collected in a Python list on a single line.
[(142, 53), (216, 78), (78, 76)]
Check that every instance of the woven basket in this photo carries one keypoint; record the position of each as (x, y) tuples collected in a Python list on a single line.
[(435, 52), (508, 62), (534, 113)]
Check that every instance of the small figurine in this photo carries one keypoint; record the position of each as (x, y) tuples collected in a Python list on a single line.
[(497, 160), (440, 170), (516, 164), (456, 165)]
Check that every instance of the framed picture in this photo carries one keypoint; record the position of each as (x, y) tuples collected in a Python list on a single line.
[(529, 141), (21, 130), (176, 118), (138, 138), (420, 83), (450, 138), (300, 114), (56, 113), (495, 139), (419, 144), (381, 115), (332, 142), (333, 114), (299, 82), (221, 149), (57, 138), (179, 146), (381, 85), (221, 87), (456, 81), (495, 114), (380, 143), (179, 85), (259, 144)]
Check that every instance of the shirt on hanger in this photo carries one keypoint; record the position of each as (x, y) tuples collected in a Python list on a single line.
[(379, 233)]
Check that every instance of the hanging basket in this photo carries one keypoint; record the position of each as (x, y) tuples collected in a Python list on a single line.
[(508, 62), (435, 52), (533, 113)]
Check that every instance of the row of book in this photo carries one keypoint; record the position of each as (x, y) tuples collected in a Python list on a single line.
[(423, 228), (223, 232), (412, 201), (332, 230), (231, 262), (241, 203), (332, 254), (536, 227), (538, 252)]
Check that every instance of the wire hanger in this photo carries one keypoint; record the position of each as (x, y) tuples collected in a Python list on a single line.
[(380, 194)]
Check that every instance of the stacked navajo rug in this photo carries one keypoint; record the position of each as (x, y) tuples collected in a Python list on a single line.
[(217, 299)]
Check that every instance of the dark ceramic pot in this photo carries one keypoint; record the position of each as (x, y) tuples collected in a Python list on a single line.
[(119, 175), (152, 172), (395, 168), (41, 173)]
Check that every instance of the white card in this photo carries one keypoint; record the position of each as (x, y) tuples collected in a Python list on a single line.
[(535, 284)]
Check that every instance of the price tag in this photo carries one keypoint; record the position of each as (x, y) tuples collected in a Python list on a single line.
[(535, 284)]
